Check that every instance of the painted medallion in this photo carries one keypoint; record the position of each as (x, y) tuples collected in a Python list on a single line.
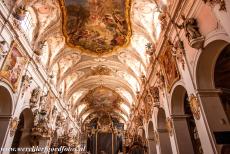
[(96, 26)]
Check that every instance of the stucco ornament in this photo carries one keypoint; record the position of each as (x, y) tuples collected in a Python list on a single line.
[(150, 50), (161, 80), (163, 19), (41, 118), (26, 81), (13, 125), (3, 49), (169, 125), (20, 13), (35, 98), (178, 52), (195, 106), (155, 94), (191, 28), (220, 2)]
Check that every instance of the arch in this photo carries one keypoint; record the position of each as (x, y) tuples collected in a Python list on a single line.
[(180, 120), (221, 78), (206, 64), (165, 144), (6, 108), (208, 93), (151, 139), (22, 137), (177, 99)]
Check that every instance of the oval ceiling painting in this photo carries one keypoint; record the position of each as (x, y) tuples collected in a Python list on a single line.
[(96, 26)]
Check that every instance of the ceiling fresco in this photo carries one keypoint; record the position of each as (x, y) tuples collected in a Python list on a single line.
[(102, 97), (96, 26), (95, 52)]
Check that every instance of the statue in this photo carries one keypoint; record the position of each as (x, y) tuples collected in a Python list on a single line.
[(155, 94), (178, 52), (35, 98), (220, 2), (20, 13), (3, 49), (161, 80), (192, 32), (26, 81)]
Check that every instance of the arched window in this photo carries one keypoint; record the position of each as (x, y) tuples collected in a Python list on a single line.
[(27, 26)]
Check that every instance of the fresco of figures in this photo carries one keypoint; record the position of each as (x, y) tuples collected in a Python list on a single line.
[(13, 66), (96, 25), (168, 62)]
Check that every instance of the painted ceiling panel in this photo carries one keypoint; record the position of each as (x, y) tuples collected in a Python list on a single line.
[(96, 51), (96, 26)]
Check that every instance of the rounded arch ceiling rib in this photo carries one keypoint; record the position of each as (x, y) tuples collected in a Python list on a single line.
[(100, 80), (125, 67), (90, 63), (92, 111), (49, 30), (88, 110), (129, 82), (79, 101), (90, 117), (76, 102)]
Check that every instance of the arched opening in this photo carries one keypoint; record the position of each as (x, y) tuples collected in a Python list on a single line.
[(180, 122), (151, 140), (22, 137), (222, 76), (192, 127), (221, 79), (183, 120), (165, 145), (5, 112), (212, 74)]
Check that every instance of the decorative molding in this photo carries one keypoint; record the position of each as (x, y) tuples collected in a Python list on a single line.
[(175, 117), (209, 92)]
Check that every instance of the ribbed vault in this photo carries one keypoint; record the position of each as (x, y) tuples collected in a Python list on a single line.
[(92, 83)]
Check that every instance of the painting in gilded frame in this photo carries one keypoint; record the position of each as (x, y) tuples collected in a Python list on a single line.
[(97, 26), (13, 66), (168, 62)]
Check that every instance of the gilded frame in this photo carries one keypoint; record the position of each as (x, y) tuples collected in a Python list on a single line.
[(89, 52), (166, 55), (8, 71)]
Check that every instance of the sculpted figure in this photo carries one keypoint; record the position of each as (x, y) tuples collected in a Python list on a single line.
[(191, 28), (220, 2), (35, 97), (155, 93), (3, 49)]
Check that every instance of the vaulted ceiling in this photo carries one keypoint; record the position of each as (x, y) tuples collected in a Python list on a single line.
[(96, 51)]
